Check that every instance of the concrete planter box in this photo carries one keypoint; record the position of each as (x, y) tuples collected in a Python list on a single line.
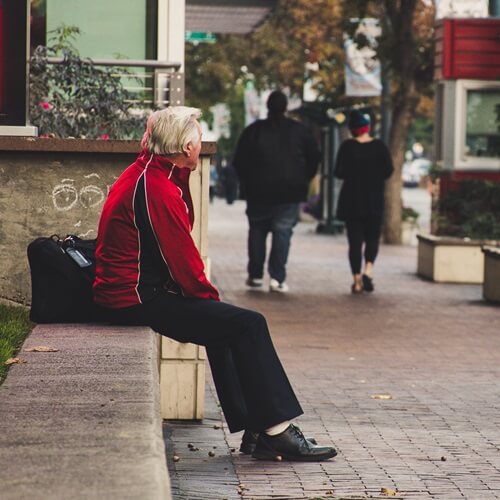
[(450, 260), (491, 284), (409, 230)]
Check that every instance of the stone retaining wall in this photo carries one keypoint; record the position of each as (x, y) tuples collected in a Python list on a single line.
[(54, 186)]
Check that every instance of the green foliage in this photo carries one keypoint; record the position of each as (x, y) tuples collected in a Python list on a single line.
[(274, 55), (212, 70), (471, 210), (63, 38), (409, 214), (421, 130), (435, 172), (14, 328), (227, 146), (77, 98)]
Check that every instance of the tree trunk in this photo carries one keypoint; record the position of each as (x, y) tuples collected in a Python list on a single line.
[(401, 121), (399, 22)]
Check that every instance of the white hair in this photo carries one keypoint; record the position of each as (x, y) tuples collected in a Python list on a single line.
[(170, 130)]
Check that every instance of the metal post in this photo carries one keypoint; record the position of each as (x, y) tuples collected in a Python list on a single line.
[(495, 8), (385, 102), (330, 147)]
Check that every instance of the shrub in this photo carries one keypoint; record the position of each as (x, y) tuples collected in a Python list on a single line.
[(471, 210), (76, 98)]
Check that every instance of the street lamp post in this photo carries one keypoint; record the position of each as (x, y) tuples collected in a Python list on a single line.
[(330, 146)]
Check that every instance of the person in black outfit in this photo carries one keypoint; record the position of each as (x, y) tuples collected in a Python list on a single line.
[(364, 163), (275, 160)]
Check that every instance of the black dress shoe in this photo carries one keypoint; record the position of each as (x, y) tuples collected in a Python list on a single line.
[(290, 445), (367, 283), (249, 441)]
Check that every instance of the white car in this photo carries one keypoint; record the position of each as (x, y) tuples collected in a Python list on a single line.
[(414, 170)]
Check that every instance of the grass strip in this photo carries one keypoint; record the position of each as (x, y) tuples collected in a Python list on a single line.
[(14, 328)]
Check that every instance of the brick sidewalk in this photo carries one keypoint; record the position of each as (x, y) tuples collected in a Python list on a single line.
[(433, 348)]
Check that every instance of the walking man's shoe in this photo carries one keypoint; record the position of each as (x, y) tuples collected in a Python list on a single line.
[(254, 282), (249, 441), (276, 286), (290, 445)]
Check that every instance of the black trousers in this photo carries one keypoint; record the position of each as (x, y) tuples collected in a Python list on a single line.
[(251, 383), (361, 231)]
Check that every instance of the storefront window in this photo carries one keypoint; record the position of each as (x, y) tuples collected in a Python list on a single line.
[(108, 29), (482, 135)]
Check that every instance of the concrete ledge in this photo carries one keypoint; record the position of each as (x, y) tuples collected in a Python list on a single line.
[(38, 144), (433, 240), (491, 284), (83, 422)]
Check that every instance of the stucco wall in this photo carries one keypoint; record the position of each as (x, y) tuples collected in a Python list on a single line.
[(52, 187)]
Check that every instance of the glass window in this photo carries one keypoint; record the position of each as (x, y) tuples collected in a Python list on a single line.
[(482, 133), (109, 29)]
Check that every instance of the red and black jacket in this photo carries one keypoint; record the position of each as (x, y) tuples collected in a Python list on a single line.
[(144, 243)]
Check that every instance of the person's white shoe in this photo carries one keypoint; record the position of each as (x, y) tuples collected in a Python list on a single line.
[(276, 286)]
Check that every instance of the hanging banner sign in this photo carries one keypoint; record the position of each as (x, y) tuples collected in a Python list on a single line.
[(362, 68), (461, 8)]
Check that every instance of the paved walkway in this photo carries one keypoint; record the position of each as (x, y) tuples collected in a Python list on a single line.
[(433, 349)]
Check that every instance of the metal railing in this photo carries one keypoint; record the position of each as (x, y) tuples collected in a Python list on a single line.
[(150, 83)]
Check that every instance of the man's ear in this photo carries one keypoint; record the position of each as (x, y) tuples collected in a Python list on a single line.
[(187, 149)]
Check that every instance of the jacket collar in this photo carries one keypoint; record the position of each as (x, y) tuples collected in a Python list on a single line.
[(147, 158)]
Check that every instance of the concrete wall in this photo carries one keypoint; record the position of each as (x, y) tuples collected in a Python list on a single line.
[(54, 186)]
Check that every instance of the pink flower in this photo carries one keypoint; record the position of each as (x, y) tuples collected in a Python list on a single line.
[(46, 105), (104, 137)]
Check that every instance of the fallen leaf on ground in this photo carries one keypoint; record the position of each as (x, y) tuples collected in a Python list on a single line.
[(388, 492), (15, 361), (381, 396), (42, 348)]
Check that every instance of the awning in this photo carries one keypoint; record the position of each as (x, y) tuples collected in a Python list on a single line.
[(226, 16)]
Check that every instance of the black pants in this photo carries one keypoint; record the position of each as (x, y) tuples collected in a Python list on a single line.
[(363, 230), (251, 383)]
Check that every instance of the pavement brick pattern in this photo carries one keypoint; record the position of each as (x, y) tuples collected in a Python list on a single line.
[(405, 382)]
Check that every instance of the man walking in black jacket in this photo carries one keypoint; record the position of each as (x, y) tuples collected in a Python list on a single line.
[(275, 160)]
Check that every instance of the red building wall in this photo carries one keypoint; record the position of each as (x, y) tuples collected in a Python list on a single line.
[(467, 48)]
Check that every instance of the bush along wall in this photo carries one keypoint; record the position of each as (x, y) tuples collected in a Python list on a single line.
[(77, 99), (470, 210)]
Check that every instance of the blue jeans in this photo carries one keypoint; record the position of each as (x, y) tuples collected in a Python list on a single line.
[(280, 221)]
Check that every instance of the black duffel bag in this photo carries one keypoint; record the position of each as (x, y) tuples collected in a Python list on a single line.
[(62, 274)]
